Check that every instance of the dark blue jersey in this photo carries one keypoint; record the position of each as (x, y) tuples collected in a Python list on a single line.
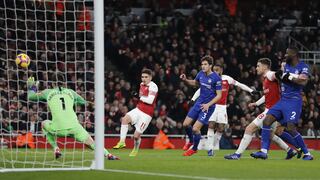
[(208, 86), (292, 90)]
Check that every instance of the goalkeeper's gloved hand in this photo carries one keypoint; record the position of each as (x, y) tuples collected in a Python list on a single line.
[(32, 84), (135, 94), (278, 75)]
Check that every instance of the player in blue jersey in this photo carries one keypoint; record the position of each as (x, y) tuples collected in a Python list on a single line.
[(201, 111), (294, 76)]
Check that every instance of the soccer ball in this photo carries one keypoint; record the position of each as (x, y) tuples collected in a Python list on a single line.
[(23, 60)]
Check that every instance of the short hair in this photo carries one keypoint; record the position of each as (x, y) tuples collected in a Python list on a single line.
[(219, 65), (147, 71), (265, 61), (207, 58), (294, 50)]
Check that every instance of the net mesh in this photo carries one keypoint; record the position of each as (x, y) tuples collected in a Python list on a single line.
[(57, 36)]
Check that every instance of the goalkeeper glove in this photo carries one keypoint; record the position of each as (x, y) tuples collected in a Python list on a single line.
[(32, 84)]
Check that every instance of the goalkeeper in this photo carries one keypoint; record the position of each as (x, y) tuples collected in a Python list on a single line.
[(64, 120)]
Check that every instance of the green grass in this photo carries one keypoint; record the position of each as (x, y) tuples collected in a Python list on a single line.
[(171, 162)]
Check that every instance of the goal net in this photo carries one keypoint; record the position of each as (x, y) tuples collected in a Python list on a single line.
[(58, 37)]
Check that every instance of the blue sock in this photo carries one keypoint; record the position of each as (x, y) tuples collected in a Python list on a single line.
[(265, 138), (288, 138), (189, 134), (299, 140), (196, 140)]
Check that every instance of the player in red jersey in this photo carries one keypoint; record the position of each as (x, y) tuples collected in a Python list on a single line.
[(271, 96), (140, 116), (219, 118)]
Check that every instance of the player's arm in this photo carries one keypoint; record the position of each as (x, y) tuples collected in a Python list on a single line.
[(33, 94), (218, 96), (259, 102), (78, 100), (153, 90), (300, 80), (196, 95), (190, 82)]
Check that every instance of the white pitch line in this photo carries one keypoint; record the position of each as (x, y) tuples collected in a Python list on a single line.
[(161, 174)]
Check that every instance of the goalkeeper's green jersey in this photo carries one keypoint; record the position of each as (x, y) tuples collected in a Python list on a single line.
[(60, 102)]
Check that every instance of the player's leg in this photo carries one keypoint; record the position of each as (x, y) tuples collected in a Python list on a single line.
[(203, 118), (81, 135), (290, 152), (191, 116), (130, 117), (265, 137), (140, 126), (137, 142), (217, 135), (247, 137), (188, 128), (284, 135), (291, 116), (210, 135), (196, 138), (51, 137), (275, 113), (245, 141)]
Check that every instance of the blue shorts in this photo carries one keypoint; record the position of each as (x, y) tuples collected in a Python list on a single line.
[(287, 110), (196, 113)]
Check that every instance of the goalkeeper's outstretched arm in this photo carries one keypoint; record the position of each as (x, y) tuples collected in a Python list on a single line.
[(78, 100), (33, 94)]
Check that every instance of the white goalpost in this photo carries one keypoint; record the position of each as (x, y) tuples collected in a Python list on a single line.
[(65, 36)]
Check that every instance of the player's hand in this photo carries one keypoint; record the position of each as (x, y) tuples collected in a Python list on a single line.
[(183, 77), (255, 92), (285, 78), (135, 94), (205, 107), (278, 75), (191, 103), (252, 105), (32, 84)]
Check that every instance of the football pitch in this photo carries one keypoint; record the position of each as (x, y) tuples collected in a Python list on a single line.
[(170, 164)]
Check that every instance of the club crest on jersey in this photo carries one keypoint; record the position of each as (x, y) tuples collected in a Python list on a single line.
[(209, 81)]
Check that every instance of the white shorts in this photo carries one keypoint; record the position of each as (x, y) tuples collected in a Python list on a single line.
[(220, 114), (258, 121), (140, 120)]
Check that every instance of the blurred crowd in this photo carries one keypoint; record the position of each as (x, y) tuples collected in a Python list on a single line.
[(169, 43), (175, 46)]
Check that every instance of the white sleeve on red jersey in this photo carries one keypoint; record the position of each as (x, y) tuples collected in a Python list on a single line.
[(153, 90), (270, 75), (196, 95), (236, 83), (261, 101)]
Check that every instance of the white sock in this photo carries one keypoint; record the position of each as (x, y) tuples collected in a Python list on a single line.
[(137, 143), (210, 135), (280, 143), (216, 141), (245, 141), (123, 133), (264, 150)]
